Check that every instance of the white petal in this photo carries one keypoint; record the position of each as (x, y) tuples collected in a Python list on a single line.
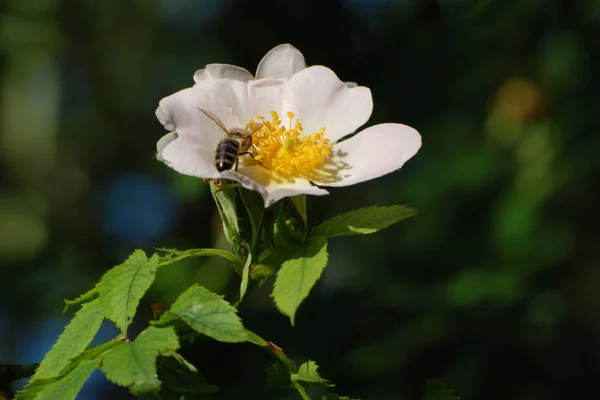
[(300, 186), (256, 178), (223, 71), (227, 99), (163, 142), (189, 156), (375, 151), (319, 99), (282, 61), (265, 95)]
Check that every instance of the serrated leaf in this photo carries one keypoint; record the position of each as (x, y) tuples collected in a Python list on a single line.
[(180, 378), (75, 338), (84, 298), (133, 364), (298, 275), (438, 390), (67, 375), (64, 387), (122, 288), (362, 221), (307, 372), (209, 314)]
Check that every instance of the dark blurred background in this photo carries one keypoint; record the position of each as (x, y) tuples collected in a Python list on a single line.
[(494, 287)]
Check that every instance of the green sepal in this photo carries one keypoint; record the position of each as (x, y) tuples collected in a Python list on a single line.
[(300, 204), (285, 233), (245, 276), (255, 207), (226, 199)]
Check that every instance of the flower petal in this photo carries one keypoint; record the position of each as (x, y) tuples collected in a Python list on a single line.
[(227, 99), (264, 96), (282, 61), (223, 71), (256, 178), (163, 142), (188, 156), (375, 151), (319, 99)]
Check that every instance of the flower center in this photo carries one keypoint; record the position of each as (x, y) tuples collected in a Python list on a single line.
[(285, 150)]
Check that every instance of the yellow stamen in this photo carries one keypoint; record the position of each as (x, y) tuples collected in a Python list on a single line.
[(286, 151)]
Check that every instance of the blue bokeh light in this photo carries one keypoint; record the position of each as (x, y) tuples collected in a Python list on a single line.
[(137, 208)]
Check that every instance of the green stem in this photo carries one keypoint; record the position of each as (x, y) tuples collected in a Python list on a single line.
[(301, 390)]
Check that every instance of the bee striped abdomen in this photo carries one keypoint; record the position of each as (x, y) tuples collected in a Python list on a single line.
[(227, 154)]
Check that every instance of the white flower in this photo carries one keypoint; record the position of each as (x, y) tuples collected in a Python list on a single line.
[(296, 114)]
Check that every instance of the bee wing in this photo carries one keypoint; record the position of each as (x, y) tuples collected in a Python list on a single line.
[(215, 119)]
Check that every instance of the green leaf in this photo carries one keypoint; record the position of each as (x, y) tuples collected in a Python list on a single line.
[(133, 364), (300, 204), (64, 387), (180, 378), (173, 255), (255, 206), (438, 390), (298, 275), (122, 288), (225, 198), (73, 341), (255, 339), (362, 221), (84, 298), (68, 382), (209, 314), (307, 372)]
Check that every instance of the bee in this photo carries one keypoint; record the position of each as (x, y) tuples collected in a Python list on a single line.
[(236, 143)]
